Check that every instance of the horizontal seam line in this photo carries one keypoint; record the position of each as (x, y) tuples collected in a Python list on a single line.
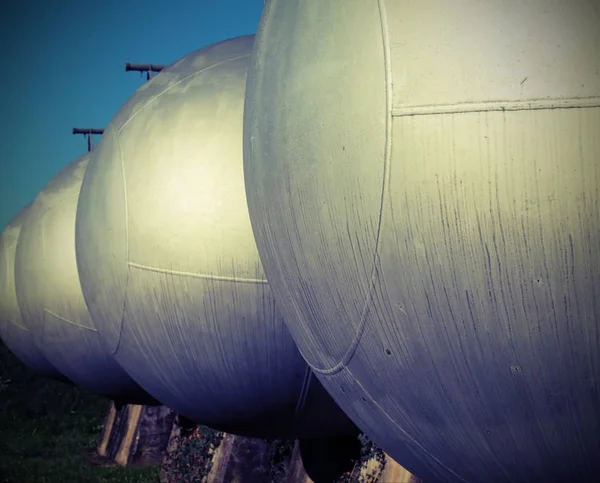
[(70, 321), (532, 104), (205, 276), (17, 325), (193, 74)]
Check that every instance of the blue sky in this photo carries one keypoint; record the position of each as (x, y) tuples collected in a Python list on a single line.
[(63, 67)]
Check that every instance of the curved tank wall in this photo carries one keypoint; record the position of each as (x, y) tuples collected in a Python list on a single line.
[(168, 262), (49, 291), (423, 184), (14, 334)]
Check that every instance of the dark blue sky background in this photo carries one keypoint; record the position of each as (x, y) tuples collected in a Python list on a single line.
[(63, 67)]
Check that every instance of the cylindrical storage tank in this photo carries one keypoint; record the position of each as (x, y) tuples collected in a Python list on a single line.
[(423, 183), (169, 265), (50, 296), (14, 334)]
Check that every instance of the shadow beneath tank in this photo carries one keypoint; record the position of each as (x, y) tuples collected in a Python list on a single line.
[(325, 460), (135, 398)]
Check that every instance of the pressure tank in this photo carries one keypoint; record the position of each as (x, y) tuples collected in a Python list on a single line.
[(50, 296), (423, 181), (14, 334), (168, 262)]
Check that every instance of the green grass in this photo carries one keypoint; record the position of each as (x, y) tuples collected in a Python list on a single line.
[(48, 429)]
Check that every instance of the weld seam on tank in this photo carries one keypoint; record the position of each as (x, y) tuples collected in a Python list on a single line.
[(206, 276), (126, 221), (395, 424), (308, 375), (69, 321), (126, 207), (498, 105), (16, 324), (39, 335), (387, 157), (117, 345), (153, 98)]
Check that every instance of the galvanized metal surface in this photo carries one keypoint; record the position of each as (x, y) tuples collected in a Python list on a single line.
[(423, 181), (49, 291), (14, 333), (168, 262)]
